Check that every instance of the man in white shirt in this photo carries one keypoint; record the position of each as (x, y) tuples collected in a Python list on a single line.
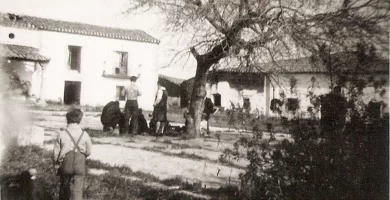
[(131, 92)]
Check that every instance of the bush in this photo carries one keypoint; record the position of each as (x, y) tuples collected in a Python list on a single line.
[(352, 165), (338, 162)]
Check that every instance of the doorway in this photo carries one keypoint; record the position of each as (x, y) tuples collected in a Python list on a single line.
[(72, 92)]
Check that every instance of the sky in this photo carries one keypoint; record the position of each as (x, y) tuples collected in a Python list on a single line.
[(106, 13)]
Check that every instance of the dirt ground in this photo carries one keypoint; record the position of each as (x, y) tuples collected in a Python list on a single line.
[(193, 160)]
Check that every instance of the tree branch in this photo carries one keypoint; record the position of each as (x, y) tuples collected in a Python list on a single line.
[(195, 53)]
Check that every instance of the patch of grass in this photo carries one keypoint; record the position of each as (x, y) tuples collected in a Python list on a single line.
[(166, 141), (184, 146), (172, 181), (228, 192), (177, 145), (120, 170), (155, 149), (108, 186), (190, 156), (99, 133), (181, 154)]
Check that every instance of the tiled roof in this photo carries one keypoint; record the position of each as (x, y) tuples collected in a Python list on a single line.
[(21, 52), (36, 23), (308, 65), (173, 80)]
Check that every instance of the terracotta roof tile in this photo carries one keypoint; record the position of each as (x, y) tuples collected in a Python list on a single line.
[(21, 52), (36, 23), (347, 61)]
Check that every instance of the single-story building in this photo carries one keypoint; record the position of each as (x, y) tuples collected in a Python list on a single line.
[(253, 88)]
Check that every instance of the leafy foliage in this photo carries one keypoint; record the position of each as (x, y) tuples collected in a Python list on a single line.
[(347, 163), (246, 33)]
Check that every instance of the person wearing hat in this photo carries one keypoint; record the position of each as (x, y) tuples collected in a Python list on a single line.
[(131, 92)]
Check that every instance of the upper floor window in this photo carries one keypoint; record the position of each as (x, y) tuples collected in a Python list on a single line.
[(120, 62), (74, 57)]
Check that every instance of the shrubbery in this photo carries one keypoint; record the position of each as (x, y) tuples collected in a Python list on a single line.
[(349, 162)]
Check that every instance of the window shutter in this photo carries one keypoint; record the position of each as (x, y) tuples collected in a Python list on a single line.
[(125, 58), (78, 58)]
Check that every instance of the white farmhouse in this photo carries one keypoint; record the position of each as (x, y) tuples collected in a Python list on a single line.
[(77, 63), (289, 81)]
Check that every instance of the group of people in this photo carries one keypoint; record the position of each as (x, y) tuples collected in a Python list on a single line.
[(73, 145), (131, 120)]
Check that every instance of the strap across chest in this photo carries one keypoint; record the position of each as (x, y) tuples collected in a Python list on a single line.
[(76, 144)]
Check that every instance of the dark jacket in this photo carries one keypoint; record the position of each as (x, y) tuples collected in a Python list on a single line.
[(111, 114), (208, 108), (164, 101)]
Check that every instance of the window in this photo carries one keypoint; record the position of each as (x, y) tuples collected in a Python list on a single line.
[(119, 96), (292, 104), (74, 57), (120, 62), (247, 104), (217, 100)]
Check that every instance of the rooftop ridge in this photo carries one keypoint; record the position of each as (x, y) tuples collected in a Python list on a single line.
[(39, 23)]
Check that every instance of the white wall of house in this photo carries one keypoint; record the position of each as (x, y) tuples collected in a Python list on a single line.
[(321, 86), (96, 57), (24, 37), (304, 84), (230, 94)]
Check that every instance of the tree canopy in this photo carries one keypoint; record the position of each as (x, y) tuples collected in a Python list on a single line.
[(246, 33), (261, 31)]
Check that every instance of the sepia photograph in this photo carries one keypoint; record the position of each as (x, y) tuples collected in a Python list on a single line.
[(194, 99)]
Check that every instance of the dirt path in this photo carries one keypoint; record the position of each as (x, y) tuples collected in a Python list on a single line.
[(194, 160), (148, 155), (164, 167)]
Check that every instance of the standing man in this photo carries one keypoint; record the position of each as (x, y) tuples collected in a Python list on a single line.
[(160, 109), (131, 108)]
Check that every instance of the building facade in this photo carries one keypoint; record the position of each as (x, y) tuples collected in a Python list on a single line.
[(83, 64), (293, 83)]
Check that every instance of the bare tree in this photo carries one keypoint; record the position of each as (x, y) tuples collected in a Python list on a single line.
[(266, 30)]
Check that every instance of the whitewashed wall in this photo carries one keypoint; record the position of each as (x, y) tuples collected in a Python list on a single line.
[(22, 37), (96, 57), (321, 86), (230, 94)]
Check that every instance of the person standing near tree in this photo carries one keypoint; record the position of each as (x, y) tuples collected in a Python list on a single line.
[(132, 92), (207, 111), (160, 109), (71, 148)]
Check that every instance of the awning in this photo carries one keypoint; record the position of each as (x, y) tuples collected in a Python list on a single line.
[(24, 53)]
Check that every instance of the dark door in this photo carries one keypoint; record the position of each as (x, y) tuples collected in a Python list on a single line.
[(72, 92)]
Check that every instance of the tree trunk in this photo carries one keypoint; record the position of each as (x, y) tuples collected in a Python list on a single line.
[(204, 62), (197, 99)]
